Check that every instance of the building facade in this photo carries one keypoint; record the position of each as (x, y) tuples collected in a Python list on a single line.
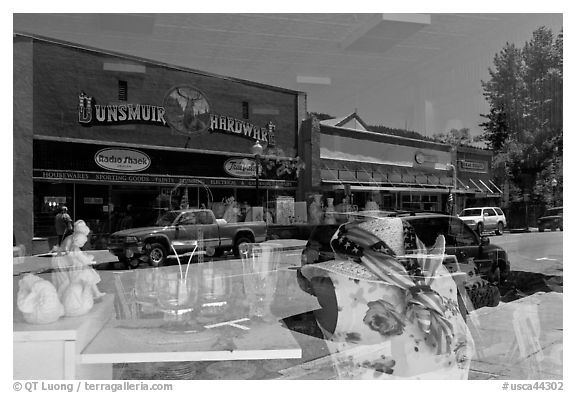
[(108, 135), (358, 169), (475, 186)]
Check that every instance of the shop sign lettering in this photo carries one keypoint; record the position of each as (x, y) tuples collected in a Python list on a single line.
[(89, 113), (154, 179), (122, 160), (240, 167), (242, 128), (476, 166)]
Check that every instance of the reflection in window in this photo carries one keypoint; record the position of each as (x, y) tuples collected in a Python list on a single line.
[(462, 235)]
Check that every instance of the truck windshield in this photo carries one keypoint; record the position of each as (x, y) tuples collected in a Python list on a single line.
[(167, 218)]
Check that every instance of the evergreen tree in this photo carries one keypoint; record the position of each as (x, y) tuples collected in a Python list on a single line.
[(524, 126)]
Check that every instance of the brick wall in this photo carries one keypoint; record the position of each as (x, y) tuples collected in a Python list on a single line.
[(23, 124), (63, 72)]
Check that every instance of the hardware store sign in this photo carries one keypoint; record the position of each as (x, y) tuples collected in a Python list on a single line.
[(122, 160)]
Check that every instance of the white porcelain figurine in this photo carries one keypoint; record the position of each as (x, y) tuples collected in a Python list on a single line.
[(74, 276), (38, 300)]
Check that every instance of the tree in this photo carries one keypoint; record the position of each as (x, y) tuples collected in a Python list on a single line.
[(455, 137), (524, 126)]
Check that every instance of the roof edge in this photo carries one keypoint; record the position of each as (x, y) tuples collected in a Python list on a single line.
[(57, 41)]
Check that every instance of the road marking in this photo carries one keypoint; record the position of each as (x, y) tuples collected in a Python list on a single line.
[(546, 259)]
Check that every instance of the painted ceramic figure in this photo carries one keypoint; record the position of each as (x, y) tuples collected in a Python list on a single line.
[(392, 316)]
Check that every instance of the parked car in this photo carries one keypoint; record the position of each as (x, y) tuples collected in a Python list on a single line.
[(178, 230), (552, 219), (490, 260), (483, 219)]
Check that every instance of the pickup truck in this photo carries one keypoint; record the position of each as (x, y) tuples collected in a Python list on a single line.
[(178, 230)]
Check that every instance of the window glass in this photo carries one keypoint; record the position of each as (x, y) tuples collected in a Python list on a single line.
[(489, 212), (499, 211), (471, 212), (188, 219), (428, 229), (204, 218), (167, 218), (462, 234)]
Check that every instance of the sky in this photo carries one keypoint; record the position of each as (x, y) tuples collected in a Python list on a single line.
[(443, 93)]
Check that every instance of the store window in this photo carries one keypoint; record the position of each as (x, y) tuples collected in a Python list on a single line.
[(421, 202)]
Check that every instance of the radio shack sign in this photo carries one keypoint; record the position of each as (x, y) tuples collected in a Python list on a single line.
[(89, 113), (122, 160)]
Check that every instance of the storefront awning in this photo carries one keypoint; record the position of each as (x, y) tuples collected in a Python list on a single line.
[(484, 188), (335, 185), (361, 174)]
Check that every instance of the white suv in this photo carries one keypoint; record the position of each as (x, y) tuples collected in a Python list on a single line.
[(483, 219)]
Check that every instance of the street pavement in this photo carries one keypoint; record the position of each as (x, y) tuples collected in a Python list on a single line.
[(535, 252)]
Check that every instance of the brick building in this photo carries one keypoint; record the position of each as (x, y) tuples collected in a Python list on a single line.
[(102, 132)]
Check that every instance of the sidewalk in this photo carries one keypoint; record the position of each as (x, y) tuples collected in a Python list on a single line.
[(520, 340)]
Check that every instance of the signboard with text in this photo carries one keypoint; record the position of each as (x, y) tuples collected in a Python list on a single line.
[(473, 166), (155, 179)]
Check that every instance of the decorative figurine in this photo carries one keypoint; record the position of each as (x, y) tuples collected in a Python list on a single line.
[(38, 300), (329, 217), (315, 210), (232, 211), (74, 276), (390, 315)]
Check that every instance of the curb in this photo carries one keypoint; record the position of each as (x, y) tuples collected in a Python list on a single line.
[(519, 230)]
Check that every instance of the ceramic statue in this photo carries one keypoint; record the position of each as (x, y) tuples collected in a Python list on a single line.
[(329, 217), (38, 300), (74, 275), (394, 316)]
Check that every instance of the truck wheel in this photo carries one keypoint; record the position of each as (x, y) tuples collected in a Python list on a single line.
[(480, 228), (540, 229), (500, 229), (241, 240), (157, 254)]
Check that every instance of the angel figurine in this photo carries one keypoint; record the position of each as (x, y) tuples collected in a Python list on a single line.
[(74, 275)]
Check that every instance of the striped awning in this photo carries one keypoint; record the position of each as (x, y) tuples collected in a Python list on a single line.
[(478, 186)]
